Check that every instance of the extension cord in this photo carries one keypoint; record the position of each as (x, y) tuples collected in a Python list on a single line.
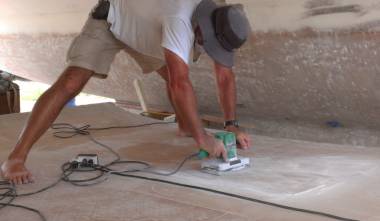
[(67, 170)]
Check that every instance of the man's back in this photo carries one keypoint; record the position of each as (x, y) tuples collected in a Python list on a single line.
[(149, 25)]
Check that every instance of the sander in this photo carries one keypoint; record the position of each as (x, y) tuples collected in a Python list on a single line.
[(219, 166)]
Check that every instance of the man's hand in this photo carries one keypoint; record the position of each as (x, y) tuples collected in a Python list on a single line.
[(16, 172), (214, 147), (243, 139)]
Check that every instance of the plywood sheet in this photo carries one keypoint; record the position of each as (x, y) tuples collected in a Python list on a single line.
[(338, 179)]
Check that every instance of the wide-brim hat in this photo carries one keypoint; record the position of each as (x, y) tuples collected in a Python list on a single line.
[(224, 29)]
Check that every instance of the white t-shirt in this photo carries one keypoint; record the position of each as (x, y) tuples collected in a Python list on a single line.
[(148, 26)]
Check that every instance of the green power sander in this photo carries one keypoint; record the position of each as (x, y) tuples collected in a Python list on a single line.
[(219, 166)]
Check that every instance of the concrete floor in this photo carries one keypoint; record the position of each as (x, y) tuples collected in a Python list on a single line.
[(342, 180)]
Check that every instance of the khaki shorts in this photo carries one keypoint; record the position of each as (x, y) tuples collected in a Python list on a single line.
[(96, 47)]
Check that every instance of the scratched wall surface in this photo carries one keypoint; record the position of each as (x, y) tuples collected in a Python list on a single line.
[(308, 60)]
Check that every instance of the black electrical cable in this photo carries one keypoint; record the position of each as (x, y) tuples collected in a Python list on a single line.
[(41, 190), (66, 131), (239, 197), (8, 194), (126, 173), (69, 131), (85, 131), (11, 193), (43, 218)]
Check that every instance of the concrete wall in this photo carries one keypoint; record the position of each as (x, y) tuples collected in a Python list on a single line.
[(308, 61)]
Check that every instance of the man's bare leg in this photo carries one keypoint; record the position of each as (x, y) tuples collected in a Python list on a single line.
[(46, 110), (183, 130)]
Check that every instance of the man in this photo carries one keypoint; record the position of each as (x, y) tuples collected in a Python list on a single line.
[(160, 36)]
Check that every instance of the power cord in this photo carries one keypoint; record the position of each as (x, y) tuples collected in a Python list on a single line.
[(8, 193), (66, 131), (126, 173), (43, 218), (322, 214)]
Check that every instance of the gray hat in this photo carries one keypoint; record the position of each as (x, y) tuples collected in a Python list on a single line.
[(224, 29)]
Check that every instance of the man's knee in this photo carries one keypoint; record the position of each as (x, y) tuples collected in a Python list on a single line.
[(72, 80)]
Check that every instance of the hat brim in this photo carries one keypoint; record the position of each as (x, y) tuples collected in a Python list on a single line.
[(203, 16)]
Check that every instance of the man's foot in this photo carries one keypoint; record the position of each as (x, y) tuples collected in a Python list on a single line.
[(16, 172)]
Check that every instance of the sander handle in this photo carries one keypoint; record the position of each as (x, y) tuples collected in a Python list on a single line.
[(202, 154)]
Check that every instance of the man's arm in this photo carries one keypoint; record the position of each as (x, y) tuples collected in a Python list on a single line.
[(227, 98), (183, 99)]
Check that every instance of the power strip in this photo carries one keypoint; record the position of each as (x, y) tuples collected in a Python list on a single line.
[(85, 161)]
